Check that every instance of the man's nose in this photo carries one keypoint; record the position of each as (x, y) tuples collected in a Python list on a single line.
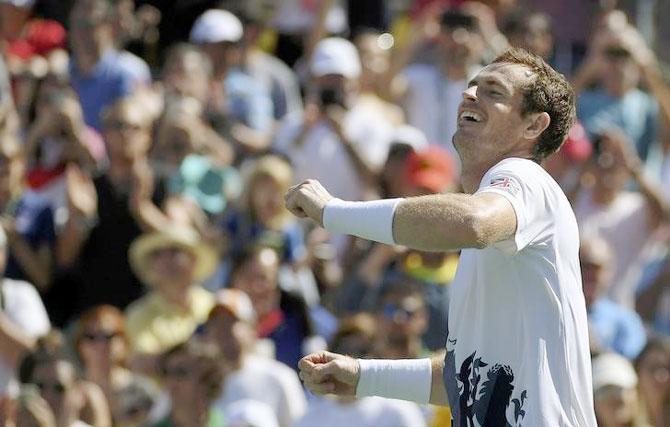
[(470, 93)]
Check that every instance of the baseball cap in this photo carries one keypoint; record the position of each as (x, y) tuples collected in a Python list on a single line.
[(335, 55), (613, 369), (577, 147), (432, 168), (236, 302), (215, 26)]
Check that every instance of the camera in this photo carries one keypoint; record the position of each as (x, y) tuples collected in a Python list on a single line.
[(456, 19)]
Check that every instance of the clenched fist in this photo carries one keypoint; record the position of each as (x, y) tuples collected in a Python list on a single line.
[(307, 200), (330, 373)]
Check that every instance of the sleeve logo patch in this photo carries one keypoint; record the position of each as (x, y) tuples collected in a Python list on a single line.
[(505, 183)]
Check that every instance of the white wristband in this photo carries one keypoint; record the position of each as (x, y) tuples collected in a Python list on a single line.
[(369, 220), (409, 379)]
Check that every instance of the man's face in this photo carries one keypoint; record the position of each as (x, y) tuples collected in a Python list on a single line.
[(182, 377), (595, 271), (56, 382), (88, 27), (403, 316), (126, 136), (229, 333), (621, 71), (222, 55), (490, 122), (459, 45)]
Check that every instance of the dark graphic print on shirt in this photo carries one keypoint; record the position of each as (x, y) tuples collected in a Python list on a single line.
[(482, 401)]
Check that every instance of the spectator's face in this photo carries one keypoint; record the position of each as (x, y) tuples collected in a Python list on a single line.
[(89, 28), (181, 375), (616, 406), (258, 278), (595, 272), (535, 38), (374, 58), (56, 382), (654, 373), (127, 137), (102, 345), (172, 265), (186, 75), (230, 334), (621, 73), (267, 199), (610, 170), (496, 97), (403, 316), (222, 55), (459, 45)]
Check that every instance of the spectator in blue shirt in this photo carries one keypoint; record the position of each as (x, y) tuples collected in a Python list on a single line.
[(100, 74), (618, 60), (612, 327), (241, 104)]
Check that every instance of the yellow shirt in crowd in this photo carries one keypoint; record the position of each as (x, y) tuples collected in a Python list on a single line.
[(155, 325)]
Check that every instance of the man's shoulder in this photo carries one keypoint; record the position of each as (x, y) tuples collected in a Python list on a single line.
[(525, 171)]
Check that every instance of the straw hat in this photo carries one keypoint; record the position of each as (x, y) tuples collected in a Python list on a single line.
[(141, 249)]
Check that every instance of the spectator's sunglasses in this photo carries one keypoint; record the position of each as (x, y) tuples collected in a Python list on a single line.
[(101, 336), (177, 372), (55, 387), (617, 52), (391, 310)]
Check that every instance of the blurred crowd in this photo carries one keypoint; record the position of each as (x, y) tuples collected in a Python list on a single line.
[(152, 276)]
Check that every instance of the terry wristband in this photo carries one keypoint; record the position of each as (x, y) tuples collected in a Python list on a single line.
[(409, 379), (369, 220)]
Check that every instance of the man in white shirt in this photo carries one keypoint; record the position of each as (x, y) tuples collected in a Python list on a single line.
[(517, 347), (232, 326), (23, 318)]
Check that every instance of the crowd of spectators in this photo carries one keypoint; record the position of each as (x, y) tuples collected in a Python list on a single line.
[(151, 274)]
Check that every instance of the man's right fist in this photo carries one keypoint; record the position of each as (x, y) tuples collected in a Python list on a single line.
[(330, 373), (308, 200)]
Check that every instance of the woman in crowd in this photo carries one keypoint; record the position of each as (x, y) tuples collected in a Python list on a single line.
[(102, 347)]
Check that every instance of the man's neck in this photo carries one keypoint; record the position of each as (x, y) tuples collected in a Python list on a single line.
[(87, 61)]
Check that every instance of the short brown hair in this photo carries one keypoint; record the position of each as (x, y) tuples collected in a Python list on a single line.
[(549, 92)]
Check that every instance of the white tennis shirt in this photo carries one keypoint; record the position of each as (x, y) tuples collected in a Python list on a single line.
[(517, 349)]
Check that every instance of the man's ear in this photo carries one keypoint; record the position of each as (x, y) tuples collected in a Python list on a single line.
[(536, 123)]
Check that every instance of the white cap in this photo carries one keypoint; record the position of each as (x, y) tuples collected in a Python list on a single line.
[(215, 26), (336, 55), (250, 413), (409, 135), (613, 369), (237, 303)]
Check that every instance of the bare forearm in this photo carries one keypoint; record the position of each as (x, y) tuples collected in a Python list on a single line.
[(441, 222), (659, 209), (13, 342), (658, 87), (150, 217), (70, 242)]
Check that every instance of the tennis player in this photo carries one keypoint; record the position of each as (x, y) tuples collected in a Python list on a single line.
[(517, 347)]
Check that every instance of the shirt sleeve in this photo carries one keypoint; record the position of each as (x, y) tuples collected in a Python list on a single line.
[(524, 188)]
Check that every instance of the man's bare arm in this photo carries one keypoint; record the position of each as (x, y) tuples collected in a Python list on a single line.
[(438, 392), (452, 221)]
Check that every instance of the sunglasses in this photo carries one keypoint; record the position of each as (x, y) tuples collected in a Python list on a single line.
[(51, 387), (616, 52), (100, 336), (392, 310), (177, 372), (119, 125)]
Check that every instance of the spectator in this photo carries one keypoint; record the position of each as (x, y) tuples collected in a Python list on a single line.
[(232, 327), (625, 219), (192, 374), (434, 91), (75, 403), (617, 60), (653, 370), (22, 319), (612, 327), (532, 32), (355, 337), (402, 318), (270, 71), (566, 165), (264, 218), (106, 213), (100, 73), (103, 349), (616, 398), (339, 139), (173, 263), (243, 105), (27, 219), (282, 317)]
